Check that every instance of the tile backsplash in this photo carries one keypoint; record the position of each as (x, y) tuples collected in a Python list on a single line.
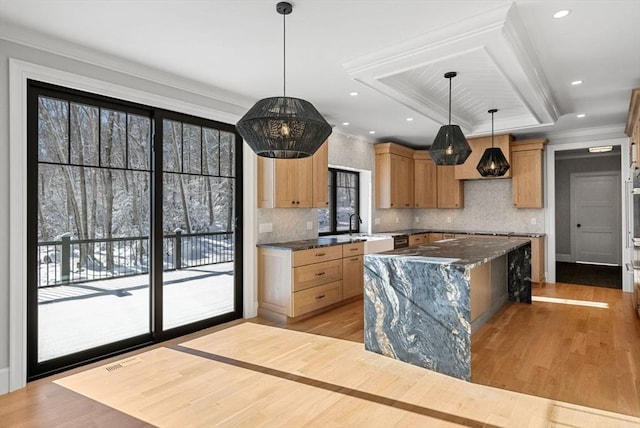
[(488, 206), (288, 224)]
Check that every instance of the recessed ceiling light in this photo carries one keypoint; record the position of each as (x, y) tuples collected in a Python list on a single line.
[(576, 82), (353, 94), (345, 123), (409, 119), (372, 132), (561, 13), (581, 115), (600, 149)]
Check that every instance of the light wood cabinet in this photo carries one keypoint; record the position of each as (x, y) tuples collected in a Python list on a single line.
[(419, 239), (468, 171), (450, 190), (297, 284), (632, 128), (526, 162), (320, 179), (292, 284), (293, 183), (537, 259), (435, 236), (352, 270), (394, 176), (425, 180)]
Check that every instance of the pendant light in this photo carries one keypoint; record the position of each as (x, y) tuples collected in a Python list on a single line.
[(493, 163), (284, 127), (450, 146)]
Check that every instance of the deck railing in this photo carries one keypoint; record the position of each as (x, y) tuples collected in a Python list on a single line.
[(69, 261)]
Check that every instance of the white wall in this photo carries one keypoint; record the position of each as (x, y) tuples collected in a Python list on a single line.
[(159, 90)]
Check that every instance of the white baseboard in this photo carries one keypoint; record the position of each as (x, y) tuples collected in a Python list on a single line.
[(563, 257), (4, 380)]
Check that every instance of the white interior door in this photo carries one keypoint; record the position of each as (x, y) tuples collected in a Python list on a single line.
[(596, 217)]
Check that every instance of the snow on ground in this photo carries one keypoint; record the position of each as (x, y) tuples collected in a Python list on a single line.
[(76, 317)]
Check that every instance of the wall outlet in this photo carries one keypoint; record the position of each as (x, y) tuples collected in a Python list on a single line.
[(534, 220), (309, 225), (377, 221), (265, 227), (397, 220), (448, 219), (417, 219)]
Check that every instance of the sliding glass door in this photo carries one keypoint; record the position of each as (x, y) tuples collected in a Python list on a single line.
[(198, 220), (127, 245)]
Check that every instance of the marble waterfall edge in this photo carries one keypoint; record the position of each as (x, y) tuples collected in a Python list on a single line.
[(418, 312)]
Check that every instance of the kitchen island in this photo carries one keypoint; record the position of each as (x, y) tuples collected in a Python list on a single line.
[(423, 303)]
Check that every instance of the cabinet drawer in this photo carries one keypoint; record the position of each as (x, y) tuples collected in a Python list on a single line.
[(416, 240), (315, 298), (315, 274), (315, 255), (354, 249)]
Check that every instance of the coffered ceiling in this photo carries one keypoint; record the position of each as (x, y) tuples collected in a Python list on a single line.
[(512, 56)]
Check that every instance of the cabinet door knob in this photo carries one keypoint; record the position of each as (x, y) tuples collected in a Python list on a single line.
[(579, 225)]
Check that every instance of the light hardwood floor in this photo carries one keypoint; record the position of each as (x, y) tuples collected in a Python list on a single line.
[(556, 349)]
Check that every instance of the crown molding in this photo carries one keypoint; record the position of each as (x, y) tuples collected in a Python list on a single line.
[(585, 134), (230, 105)]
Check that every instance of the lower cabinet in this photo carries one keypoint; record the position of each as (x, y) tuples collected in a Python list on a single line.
[(418, 239), (296, 284)]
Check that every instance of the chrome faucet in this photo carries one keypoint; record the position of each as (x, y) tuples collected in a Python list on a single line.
[(351, 221)]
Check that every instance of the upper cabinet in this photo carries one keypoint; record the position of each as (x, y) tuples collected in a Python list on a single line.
[(526, 163), (450, 189), (394, 176), (468, 171), (633, 126), (425, 180), (321, 177), (289, 183)]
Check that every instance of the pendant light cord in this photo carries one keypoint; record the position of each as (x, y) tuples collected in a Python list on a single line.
[(492, 113), (450, 100), (284, 56)]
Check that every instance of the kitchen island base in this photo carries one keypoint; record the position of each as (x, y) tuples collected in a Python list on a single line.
[(423, 303)]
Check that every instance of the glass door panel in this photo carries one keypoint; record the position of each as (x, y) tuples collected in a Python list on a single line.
[(92, 201), (198, 223)]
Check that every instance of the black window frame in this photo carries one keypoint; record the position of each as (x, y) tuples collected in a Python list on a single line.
[(157, 334), (332, 189)]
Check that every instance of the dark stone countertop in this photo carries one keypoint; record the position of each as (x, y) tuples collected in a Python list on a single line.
[(462, 252), (460, 232), (308, 244)]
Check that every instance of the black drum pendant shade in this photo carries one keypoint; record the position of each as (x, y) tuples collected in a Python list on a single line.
[(493, 163), (450, 146), (284, 127)]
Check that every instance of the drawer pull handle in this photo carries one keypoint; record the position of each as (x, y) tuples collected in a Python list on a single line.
[(320, 297), (319, 273), (320, 254), (353, 249), (355, 259)]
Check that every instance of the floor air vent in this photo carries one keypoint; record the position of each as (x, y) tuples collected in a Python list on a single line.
[(122, 364), (113, 367)]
